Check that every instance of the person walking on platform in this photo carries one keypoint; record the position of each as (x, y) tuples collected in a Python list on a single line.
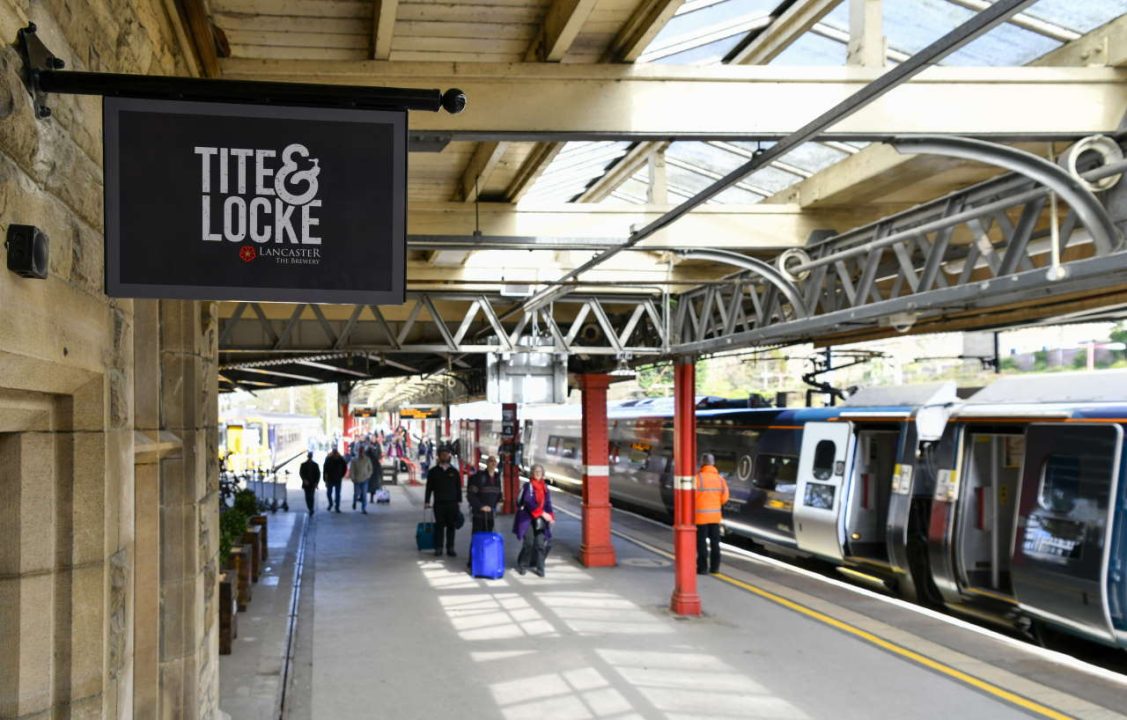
[(310, 476), (333, 471), (445, 484), (483, 491), (360, 470), (375, 481), (533, 523), (710, 495)]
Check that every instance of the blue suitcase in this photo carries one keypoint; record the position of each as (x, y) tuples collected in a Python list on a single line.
[(488, 551), (424, 534)]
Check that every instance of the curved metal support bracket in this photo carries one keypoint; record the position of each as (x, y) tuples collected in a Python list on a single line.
[(764, 270), (1079, 198)]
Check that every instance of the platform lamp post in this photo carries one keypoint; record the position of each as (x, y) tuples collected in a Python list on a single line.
[(685, 599)]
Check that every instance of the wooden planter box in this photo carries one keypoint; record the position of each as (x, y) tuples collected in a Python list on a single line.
[(228, 615), (253, 538), (260, 521), (240, 557)]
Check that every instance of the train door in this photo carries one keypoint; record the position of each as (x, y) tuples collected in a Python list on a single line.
[(866, 522), (984, 520), (1061, 546), (826, 451)]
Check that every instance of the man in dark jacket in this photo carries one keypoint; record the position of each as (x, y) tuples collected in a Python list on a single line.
[(310, 476), (445, 484), (483, 491), (334, 470)]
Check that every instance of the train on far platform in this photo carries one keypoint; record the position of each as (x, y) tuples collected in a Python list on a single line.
[(1009, 505), (263, 440)]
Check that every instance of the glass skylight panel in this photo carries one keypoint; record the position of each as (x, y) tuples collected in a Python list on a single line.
[(1005, 45), (693, 180), (812, 49), (813, 156), (911, 25), (573, 169), (772, 179), (709, 54), (705, 155), (1079, 15), (738, 196), (685, 24)]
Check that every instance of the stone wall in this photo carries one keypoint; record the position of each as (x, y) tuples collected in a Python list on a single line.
[(107, 415)]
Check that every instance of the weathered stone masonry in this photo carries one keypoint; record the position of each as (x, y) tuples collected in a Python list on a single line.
[(108, 537)]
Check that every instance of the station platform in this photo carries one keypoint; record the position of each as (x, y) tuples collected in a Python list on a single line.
[(386, 631)]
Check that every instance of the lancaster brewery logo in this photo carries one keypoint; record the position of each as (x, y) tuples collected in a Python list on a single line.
[(247, 195)]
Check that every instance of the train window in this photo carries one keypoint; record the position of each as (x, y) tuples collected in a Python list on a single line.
[(569, 447), (824, 453), (553, 445), (639, 455), (774, 470), (725, 464)]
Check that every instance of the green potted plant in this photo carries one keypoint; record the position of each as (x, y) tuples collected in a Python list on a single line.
[(232, 525), (246, 501)]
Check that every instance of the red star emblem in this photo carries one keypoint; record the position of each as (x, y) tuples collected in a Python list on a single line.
[(247, 253)]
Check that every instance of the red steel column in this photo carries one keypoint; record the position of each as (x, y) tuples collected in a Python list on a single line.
[(346, 412), (596, 549), (685, 599)]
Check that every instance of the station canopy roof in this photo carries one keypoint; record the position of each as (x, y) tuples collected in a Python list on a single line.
[(587, 119)]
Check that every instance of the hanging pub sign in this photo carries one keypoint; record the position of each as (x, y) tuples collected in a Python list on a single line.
[(224, 201)]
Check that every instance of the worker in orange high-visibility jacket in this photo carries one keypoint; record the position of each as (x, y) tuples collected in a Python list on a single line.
[(710, 493)]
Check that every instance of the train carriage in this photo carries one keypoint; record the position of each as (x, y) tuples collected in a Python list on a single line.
[(1009, 505), (1028, 515)]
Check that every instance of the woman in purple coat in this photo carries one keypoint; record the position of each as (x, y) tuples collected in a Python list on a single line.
[(533, 522)]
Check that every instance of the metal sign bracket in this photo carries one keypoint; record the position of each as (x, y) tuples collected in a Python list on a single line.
[(43, 74)]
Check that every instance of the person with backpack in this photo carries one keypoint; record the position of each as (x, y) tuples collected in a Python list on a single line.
[(533, 523), (334, 470), (310, 476), (360, 469), (483, 491)]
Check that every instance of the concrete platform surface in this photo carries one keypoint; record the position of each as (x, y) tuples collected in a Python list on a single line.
[(388, 632)]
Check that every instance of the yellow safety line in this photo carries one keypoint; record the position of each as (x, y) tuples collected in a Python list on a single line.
[(1000, 693), (1013, 698)]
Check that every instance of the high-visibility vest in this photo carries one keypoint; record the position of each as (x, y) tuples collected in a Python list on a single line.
[(710, 493)]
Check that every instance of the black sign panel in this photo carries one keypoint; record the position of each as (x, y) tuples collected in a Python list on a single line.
[(215, 201)]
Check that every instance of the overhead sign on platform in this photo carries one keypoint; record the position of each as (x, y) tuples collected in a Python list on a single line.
[(421, 412), (216, 201)]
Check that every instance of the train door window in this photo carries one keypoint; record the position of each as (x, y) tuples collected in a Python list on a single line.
[(1068, 476), (824, 453), (1060, 483), (987, 507), (553, 447)]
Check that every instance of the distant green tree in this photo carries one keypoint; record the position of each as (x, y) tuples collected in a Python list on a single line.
[(1119, 335), (1041, 360), (656, 380)]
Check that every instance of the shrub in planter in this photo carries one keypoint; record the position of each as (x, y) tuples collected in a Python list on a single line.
[(232, 525), (246, 502)]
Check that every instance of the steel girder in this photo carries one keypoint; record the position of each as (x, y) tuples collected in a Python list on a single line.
[(985, 246), (466, 324)]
